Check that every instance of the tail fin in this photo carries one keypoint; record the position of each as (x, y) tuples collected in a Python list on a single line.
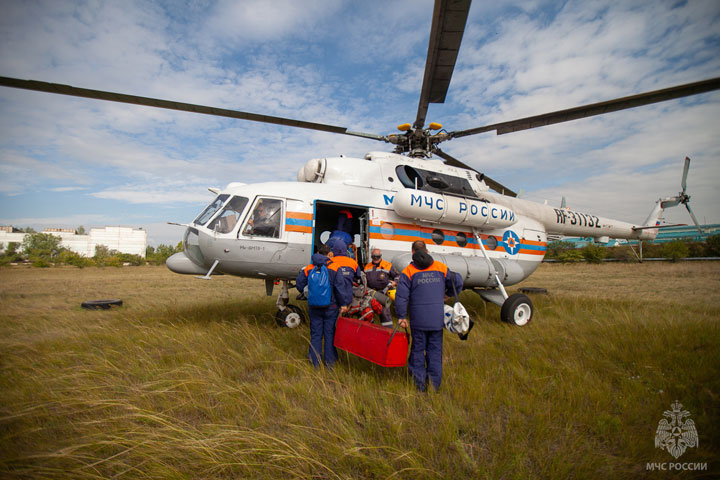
[(654, 219)]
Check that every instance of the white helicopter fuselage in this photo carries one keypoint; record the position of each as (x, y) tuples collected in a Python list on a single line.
[(391, 201)]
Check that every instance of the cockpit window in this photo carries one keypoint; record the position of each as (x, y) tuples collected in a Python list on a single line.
[(265, 219), (207, 214), (412, 177), (230, 216), (409, 177)]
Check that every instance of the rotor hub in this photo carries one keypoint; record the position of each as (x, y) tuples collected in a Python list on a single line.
[(418, 142)]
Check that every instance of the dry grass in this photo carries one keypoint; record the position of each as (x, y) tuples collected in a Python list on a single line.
[(686, 283), (192, 379)]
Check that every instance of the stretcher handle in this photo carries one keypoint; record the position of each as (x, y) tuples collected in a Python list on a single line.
[(393, 334)]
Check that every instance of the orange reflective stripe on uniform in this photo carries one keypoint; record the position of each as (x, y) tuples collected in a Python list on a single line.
[(307, 269), (343, 261), (411, 269), (384, 266)]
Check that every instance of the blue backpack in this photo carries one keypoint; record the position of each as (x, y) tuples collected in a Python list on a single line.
[(319, 289)]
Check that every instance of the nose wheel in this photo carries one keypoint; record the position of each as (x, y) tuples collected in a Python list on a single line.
[(287, 315), (292, 316)]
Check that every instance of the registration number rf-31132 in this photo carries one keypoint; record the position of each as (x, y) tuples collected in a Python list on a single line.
[(565, 217)]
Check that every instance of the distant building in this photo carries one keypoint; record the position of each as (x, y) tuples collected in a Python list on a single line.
[(123, 239), (10, 235), (688, 233)]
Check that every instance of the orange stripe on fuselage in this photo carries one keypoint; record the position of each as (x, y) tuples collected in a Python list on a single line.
[(297, 228), (531, 252), (291, 227), (452, 243), (299, 215)]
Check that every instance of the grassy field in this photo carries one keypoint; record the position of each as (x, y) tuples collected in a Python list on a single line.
[(193, 379)]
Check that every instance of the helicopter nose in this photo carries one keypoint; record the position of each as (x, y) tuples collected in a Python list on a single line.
[(180, 263)]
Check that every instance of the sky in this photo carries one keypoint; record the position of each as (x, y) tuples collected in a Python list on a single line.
[(67, 162)]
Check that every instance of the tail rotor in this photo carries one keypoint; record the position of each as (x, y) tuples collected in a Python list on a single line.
[(682, 198)]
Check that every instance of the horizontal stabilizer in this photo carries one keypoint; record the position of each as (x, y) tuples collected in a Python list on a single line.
[(660, 226)]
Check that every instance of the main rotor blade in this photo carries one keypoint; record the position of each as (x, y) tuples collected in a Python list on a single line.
[(448, 26), (683, 182), (692, 215), (454, 162), (596, 108), (497, 186), (171, 105)]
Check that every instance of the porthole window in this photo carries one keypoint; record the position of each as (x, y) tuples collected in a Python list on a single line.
[(461, 239), (490, 243), (438, 236), (387, 231)]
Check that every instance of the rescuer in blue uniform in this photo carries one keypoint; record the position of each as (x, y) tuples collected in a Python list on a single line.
[(344, 264), (322, 319), (343, 233), (380, 273), (421, 289)]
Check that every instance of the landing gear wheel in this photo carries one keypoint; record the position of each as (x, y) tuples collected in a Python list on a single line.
[(291, 317), (517, 310)]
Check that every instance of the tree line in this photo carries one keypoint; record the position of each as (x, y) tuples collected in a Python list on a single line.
[(45, 250), (566, 252)]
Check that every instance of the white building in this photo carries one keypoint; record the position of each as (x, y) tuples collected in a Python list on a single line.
[(8, 235), (123, 239)]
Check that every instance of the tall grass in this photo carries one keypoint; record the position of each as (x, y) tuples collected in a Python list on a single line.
[(193, 379)]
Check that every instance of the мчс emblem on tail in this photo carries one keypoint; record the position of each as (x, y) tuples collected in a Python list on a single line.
[(675, 434)]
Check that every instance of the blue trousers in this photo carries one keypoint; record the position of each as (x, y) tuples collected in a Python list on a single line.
[(322, 325), (425, 361)]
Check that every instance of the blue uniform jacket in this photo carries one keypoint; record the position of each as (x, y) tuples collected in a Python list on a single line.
[(340, 279), (422, 292), (378, 276)]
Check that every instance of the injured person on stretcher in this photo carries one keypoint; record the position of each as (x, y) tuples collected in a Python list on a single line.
[(367, 302)]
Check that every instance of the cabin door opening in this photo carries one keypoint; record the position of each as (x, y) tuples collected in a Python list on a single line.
[(330, 216)]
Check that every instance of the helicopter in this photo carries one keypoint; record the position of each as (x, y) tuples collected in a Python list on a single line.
[(472, 223)]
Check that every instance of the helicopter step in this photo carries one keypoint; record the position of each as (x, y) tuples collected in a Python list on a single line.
[(491, 295)]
